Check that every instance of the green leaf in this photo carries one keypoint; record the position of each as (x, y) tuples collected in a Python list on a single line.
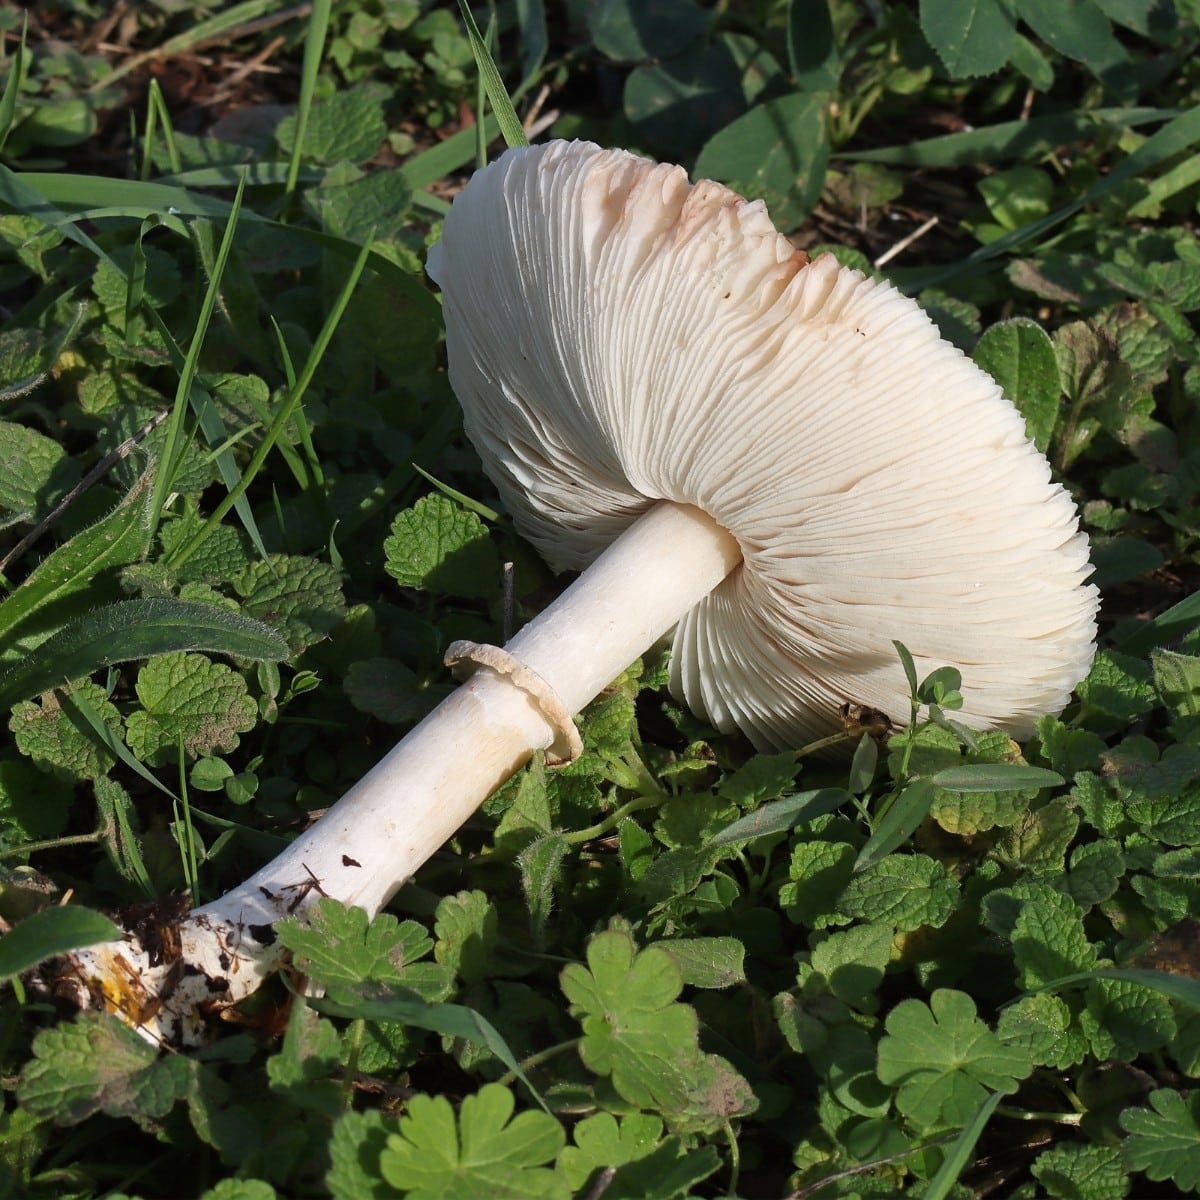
[(1049, 941), (906, 890), (308, 1056), (819, 872), (1043, 1025), (188, 697), (971, 37), (630, 30), (467, 926), (120, 538), (1077, 28), (346, 126), (355, 1148), (707, 962), (634, 1032), (1077, 1171), (136, 629), (898, 824), (487, 1154), (439, 546), (300, 597), (780, 815), (812, 46), (35, 473), (1164, 1139), (777, 153), (642, 1166), (97, 1064), (1019, 356), (340, 948), (240, 1189), (46, 733), (945, 1060), (52, 931), (995, 777)]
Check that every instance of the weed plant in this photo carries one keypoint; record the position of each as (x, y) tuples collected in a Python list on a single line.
[(239, 524)]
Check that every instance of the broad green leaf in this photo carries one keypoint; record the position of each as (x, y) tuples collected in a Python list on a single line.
[(300, 597), (136, 629), (812, 46), (346, 126), (355, 1146), (819, 872), (467, 928), (777, 153), (52, 931), (1164, 1139), (971, 37), (240, 1189), (1124, 1019), (309, 1057), (484, 1154), (35, 472), (340, 949), (944, 1060), (853, 960), (438, 546), (1077, 1169), (188, 697), (707, 962), (1049, 941), (1019, 356), (907, 890), (46, 733), (634, 1032), (97, 1064), (1077, 28), (1043, 1025), (121, 537), (631, 30)]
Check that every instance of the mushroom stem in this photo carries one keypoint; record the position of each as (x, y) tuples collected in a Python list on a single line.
[(373, 839)]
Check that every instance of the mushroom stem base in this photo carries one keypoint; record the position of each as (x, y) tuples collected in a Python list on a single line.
[(373, 839)]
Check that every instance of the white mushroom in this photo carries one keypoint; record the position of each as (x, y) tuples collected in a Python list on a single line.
[(781, 460)]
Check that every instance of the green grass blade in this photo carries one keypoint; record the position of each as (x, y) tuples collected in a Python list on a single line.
[(959, 1156), (281, 418), (898, 824), (12, 86), (1008, 139), (136, 629), (506, 115), (314, 47), (1180, 988), (119, 538)]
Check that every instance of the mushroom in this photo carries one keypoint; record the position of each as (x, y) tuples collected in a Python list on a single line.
[(779, 459)]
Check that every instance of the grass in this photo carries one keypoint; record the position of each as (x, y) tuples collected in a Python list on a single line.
[(676, 968)]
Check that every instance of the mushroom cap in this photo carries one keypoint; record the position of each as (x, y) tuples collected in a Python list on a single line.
[(617, 336)]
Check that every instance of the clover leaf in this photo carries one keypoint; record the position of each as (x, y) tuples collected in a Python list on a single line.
[(634, 1032), (945, 1059), (1164, 1139), (486, 1154)]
